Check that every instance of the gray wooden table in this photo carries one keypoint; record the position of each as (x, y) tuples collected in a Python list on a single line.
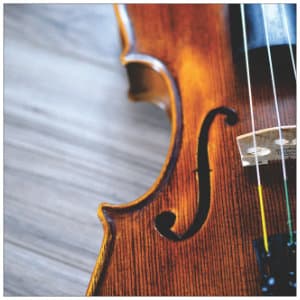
[(71, 141)]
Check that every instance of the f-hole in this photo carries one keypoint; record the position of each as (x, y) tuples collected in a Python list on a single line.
[(165, 220)]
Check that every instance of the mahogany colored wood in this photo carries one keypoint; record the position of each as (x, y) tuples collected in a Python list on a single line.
[(193, 42)]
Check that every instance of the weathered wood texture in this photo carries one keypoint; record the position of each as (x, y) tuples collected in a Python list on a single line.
[(72, 140)]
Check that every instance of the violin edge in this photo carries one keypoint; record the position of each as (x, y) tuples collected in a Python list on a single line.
[(129, 55), (95, 278)]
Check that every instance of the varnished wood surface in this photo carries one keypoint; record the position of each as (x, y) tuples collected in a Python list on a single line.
[(194, 43), (71, 141)]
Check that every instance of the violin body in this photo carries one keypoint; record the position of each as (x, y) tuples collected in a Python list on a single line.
[(194, 231)]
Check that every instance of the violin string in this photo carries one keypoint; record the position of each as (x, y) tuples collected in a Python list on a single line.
[(286, 28), (285, 183), (259, 185)]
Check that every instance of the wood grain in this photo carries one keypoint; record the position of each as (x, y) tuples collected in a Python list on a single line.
[(71, 141), (218, 260)]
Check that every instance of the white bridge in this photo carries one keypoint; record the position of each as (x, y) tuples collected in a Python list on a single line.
[(267, 145)]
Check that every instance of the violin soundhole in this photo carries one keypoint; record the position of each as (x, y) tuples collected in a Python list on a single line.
[(165, 220)]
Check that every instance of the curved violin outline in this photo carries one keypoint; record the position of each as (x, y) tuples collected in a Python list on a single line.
[(128, 56), (165, 220)]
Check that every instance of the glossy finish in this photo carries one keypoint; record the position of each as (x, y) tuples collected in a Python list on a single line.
[(194, 44)]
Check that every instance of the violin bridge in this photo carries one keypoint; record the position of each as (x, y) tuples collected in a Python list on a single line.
[(267, 145)]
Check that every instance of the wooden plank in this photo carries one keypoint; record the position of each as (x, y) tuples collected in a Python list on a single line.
[(71, 141), (34, 270)]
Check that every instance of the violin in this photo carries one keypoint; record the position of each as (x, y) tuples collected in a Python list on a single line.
[(220, 219)]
